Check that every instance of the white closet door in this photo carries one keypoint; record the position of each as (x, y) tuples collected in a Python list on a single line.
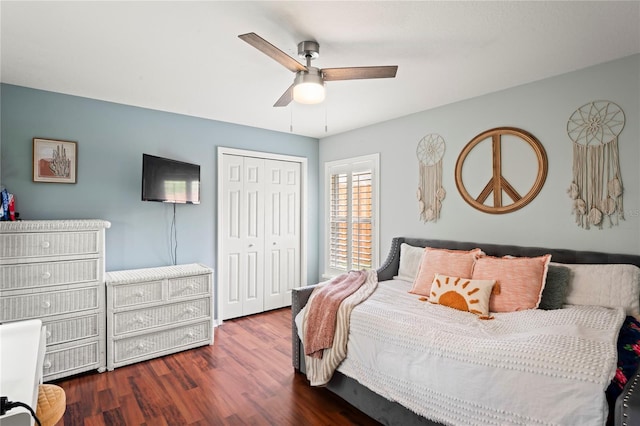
[(260, 235), (282, 232), (233, 253), (242, 278), (252, 288)]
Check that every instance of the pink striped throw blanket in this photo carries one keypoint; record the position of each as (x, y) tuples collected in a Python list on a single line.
[(323, 309)]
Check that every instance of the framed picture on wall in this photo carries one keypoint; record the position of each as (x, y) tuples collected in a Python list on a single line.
[(54, 161)]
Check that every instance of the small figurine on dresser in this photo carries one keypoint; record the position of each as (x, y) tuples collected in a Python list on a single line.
[(7, 206)]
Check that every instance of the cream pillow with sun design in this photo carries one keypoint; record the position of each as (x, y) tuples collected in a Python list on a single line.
[(463, 294)]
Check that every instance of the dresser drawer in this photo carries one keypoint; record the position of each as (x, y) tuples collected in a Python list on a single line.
[(141, 319), (70, 329), (80, 357), (147, 345), (36, 275), (36, 305), (41, 244), (189, 286), (137, 294)]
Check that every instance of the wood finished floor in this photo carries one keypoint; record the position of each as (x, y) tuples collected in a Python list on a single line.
[(245, 378)]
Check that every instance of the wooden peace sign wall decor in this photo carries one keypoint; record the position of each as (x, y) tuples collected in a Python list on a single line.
[(497, 184)]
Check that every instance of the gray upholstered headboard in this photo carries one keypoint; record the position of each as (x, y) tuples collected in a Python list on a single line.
[(390, 267)]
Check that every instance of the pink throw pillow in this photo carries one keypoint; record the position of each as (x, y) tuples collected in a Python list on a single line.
[(521, 280), (454, 263)]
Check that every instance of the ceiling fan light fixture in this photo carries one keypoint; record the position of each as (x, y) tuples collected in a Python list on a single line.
[(308, 84), (308, 87)]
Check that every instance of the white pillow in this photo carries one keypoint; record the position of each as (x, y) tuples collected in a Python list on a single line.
[(410, 257), (609, 285)]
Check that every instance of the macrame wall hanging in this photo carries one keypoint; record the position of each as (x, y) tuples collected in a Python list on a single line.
[(596, 189), (430, 191)]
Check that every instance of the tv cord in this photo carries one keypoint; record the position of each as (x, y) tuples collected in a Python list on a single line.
[(6, 405), (173, 238)]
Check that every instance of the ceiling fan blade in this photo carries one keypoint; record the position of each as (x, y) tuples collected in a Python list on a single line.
[(273, 52), (286, 98), (355, 73)]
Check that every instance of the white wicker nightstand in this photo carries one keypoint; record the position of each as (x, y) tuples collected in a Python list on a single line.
[(157, 311), (54, 270)]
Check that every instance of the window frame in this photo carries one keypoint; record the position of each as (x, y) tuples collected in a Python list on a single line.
[(349, 166)]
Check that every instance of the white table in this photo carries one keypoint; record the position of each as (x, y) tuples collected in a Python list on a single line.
[(22, 347)]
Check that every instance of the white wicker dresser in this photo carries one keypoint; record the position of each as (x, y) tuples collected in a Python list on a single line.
[(157, 311), (54, 270)]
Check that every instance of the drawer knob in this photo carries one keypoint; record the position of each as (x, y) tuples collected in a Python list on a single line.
[(47, 364), (140, 345), (190, 309), (190, 287), (46, 275), (46, 304), (190, 334), (139, 320), (48, 334), (139, 293), (45, 244)]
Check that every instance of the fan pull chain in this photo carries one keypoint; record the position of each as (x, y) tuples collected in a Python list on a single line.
[(325, 118), (291, 119)]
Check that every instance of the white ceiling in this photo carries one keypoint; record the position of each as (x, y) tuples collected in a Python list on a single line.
[(185, 57)]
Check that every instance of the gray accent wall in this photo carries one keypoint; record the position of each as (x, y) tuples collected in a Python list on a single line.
[(541, 108), (111, 140)]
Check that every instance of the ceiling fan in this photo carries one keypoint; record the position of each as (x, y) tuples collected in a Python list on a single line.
[(308, 84)]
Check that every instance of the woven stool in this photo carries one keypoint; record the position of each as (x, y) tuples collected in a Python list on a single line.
[(52, 402)]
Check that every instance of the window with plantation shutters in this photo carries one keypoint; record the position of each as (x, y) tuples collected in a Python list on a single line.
[(351, 212)]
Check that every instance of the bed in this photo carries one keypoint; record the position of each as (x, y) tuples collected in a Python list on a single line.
[(610, 336)]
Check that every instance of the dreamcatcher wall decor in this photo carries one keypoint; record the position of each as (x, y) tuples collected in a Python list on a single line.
[(596, 189), (430, 191)]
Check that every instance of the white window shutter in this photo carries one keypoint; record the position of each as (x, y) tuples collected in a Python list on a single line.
[(361, 226), (338, 221), (352, 237)]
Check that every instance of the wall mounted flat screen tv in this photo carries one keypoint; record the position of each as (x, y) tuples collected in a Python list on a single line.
[(170, 181)]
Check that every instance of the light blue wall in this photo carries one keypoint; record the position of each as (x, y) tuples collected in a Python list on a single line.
[(111, 139), (541, 108)]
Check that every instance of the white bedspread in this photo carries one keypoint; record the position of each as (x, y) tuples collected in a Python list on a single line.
[(530, 368)]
